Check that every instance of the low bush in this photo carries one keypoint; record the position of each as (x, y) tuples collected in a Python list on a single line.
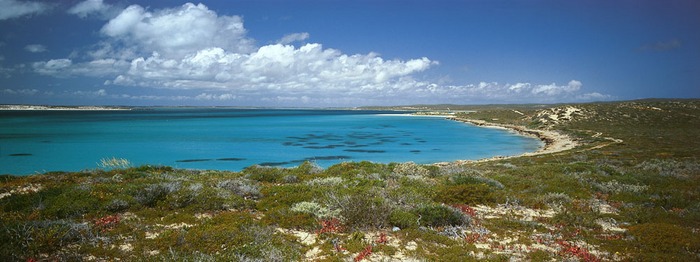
[(315, 209), (289, 179), (325, 181), (361, 210), (285, 218), (24, 240), (264, 173), (661, 240), (152, 194), (117, 205), (410, 169), (470, 194), (671, 168), (72, 202), (240, 187), (440, 216), (615, 187), (284, 196), (462, 179), (403, 219)]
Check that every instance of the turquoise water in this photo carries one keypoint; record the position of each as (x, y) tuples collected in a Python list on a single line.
[(232, 139)]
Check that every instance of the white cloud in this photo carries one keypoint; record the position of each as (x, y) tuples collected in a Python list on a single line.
[(178, 32), (94, 68), (10, 9), (595, 96), (96, 93), (35, 48), (94, 7), (20, 91), (553, 89), (192, 48), (494, 92), (291, 38), (284, 68), (52, 67)]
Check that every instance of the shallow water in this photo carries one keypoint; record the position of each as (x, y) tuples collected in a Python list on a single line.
[(232, 139)]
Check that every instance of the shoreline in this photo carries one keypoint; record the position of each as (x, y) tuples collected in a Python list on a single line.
[(554, 142), (60, 108)]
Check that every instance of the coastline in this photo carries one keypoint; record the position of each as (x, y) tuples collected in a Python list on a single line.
[(59, 108), (554, 142)]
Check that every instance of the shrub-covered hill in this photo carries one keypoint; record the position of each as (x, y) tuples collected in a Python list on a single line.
[(630, 191)]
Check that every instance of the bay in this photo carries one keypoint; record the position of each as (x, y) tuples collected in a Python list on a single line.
[(232, 139)]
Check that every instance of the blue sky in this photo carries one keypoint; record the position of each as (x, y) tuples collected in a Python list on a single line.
[(346, 53)]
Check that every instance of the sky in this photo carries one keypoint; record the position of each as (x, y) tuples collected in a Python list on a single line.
[(328, 53)]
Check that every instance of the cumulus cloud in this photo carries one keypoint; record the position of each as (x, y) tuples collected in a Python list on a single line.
[(295, 37), (10, 9), (272, 67), (94, 8), (179, 31), (35, 48)]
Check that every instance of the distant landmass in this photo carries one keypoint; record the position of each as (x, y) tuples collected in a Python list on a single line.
[(43, 107)]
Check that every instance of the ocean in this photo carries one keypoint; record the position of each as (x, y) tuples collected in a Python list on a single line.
[(37, 141)]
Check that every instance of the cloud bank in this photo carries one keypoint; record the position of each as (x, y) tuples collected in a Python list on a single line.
[(191, 49)]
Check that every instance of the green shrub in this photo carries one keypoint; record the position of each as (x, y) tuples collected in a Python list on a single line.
[(665, 240), (403, 219), (264, 173), (309, 168), (470, 194), (462, 179), (285, 218), (236, 237), (117, 205), (439, 215), (361, 210), (70, 203), (284, 195)]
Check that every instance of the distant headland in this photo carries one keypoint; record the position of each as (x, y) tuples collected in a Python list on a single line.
[(65, 108)]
